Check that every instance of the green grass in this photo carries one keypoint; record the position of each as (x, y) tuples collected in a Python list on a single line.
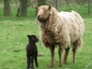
[(13, 36)]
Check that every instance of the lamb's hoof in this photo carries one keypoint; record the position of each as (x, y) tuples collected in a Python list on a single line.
[(37, 66), (31, 68), (28, 68)]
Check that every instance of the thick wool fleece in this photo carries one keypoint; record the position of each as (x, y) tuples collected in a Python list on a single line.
[(62, 29)]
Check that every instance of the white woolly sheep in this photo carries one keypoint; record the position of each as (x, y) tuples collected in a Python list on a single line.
[(64, 29)]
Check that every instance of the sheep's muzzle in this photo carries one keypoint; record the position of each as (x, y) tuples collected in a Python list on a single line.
[(41, 19)]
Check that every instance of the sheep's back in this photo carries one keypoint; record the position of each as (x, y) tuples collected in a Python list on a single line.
[(74, 23)]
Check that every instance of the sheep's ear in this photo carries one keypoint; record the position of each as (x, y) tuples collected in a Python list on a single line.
[(36, 7), (49, 7)]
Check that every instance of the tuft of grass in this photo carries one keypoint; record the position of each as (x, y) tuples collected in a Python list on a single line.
[(13, 36)]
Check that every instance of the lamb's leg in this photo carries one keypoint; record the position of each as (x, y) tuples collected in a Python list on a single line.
[(36, 62), (32, 62), (66, 55), (74, 54), (52, 56), (28, 61), (60, 56)]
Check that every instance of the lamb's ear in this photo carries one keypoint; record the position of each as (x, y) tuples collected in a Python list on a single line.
[(28, 36), (49, 7), (36, 7)]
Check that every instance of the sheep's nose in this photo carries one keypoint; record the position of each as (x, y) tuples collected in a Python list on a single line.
[(38, 16)]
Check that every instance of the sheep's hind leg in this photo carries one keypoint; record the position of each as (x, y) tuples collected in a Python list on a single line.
[(74, 53), (60, 56), (66, 55), (52, 56), (77, 43)]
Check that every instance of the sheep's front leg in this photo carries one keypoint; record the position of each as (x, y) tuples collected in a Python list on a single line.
[(52, 56), (60, 56), (66, 55)]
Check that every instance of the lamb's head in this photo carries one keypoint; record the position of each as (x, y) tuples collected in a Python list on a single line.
[(32, 38), (43, 13)]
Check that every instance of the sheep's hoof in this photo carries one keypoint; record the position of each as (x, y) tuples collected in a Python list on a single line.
[(64, 62), (60, 65), (51, 67)]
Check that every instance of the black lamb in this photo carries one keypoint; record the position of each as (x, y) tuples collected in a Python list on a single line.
[(31, 51)]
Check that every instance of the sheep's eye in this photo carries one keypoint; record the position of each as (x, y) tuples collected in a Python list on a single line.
[(46, 10)]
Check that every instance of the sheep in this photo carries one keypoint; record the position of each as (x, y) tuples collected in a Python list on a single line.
[(62, 29), (31, 51)]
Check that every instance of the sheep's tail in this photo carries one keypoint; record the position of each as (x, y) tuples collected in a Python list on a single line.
[(79, 18)]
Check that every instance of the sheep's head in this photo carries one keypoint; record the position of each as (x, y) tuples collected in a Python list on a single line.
[(43, 13), (32, 38)]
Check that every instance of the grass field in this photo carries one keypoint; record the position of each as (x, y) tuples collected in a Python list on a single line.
[(13, 40)]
